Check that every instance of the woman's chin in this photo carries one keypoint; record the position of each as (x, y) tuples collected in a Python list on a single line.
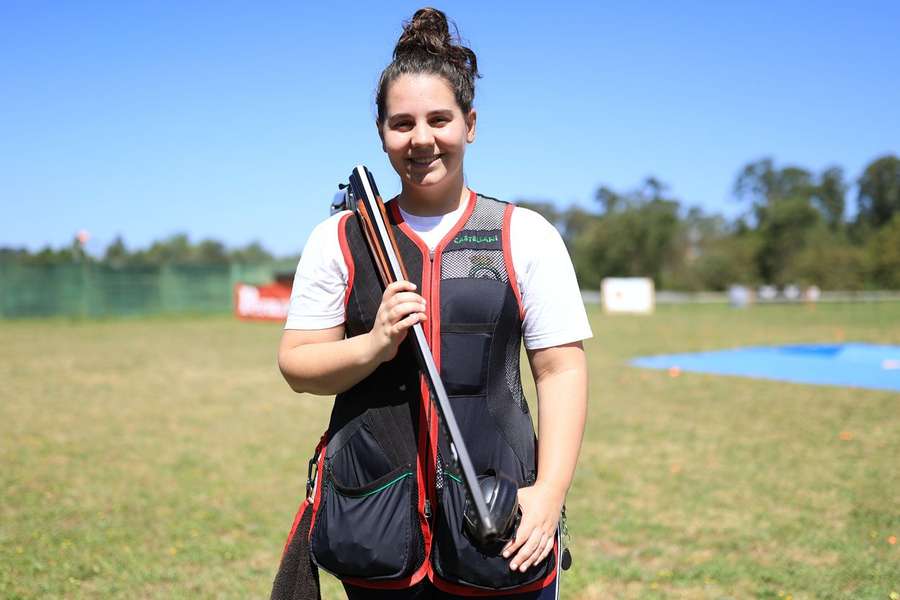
[(427, 179)]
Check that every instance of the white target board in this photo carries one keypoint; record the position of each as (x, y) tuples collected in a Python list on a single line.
[(628, 295)]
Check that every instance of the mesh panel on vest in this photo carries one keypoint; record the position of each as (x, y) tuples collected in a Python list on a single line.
[(478, 264), (488, 216), (513, 375)]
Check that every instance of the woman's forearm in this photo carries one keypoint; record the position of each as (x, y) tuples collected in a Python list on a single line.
[(328, 368), (562, 411)]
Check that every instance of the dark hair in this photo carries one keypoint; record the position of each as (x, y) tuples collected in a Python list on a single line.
[(426, 46)]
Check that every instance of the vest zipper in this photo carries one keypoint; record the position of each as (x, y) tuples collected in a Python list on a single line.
[(435, 339), (427, 504)]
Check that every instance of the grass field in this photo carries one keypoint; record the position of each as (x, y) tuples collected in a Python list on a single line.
[(164, 458)]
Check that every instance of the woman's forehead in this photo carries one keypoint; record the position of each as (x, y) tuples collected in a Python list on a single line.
[(419, 93)]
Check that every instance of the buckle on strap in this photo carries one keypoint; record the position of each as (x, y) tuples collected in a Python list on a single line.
[(312, 468), (311, 476)]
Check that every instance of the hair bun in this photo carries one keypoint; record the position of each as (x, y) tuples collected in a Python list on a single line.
[(427, 31)]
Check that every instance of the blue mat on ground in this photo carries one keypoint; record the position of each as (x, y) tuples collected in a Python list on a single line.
[(855, 365)]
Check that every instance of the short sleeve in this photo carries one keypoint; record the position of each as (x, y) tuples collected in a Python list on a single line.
[(320, 283), (551, 298)]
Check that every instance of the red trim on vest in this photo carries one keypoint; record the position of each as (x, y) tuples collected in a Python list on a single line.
[(348, 258), (507, 258)]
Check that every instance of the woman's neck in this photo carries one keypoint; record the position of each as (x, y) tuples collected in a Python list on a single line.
[(432, 202)]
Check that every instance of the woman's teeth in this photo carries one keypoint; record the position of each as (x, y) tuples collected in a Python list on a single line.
[(424, 161)]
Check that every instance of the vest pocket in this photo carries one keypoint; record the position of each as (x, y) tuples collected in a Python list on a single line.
[(367, 531), (465, 350), (457, 560)]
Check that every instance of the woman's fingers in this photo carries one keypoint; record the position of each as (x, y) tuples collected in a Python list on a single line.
[(405, 307), (544, 549), (405, 296), (548, 547), (399, 310), (408, 322), (529, 551), (399, 286), (403, 310)]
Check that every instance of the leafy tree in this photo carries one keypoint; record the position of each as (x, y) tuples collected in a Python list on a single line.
[(784, 233), (878, 199), (762, 185), (783, 202), (883, 252), (609, 200), (209, 252), (633, 237), (829, 197), (175, 249), (116, 254), (13, 255), (827, 260), (709, 255), (252, 253), (729, 260), (575, 220)]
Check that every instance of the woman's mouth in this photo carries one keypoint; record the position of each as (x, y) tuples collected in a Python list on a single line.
[(424, 161)]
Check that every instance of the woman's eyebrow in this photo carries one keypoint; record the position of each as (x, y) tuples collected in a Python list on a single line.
[(439, 111)]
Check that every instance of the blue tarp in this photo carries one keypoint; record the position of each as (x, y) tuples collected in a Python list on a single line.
[(855, 364)]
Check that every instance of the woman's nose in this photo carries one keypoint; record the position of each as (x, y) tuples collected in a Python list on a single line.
[(422, 136)]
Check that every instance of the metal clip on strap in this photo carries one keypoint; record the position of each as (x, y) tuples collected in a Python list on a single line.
[(311, 475)]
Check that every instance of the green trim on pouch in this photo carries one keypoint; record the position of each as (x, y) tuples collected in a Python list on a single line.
[(381, 488)]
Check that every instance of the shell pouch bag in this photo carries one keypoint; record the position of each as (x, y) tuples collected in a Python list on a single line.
[(366, 522)]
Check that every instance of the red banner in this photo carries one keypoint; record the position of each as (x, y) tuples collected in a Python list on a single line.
[(262, 302)]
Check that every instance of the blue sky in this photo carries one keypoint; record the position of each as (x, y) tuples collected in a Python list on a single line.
[(236, 120)]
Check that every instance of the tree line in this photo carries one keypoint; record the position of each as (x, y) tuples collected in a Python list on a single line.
[(177, 249), (793, 230)]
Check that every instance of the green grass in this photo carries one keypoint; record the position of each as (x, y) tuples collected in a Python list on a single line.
[(164, 458)]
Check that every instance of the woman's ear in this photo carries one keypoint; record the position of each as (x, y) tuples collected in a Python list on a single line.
[(470, 126)]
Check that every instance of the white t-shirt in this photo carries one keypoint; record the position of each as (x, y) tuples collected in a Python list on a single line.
[(554, 310)]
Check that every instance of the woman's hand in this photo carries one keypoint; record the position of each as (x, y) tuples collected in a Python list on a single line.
[(541, 508), (400, 309)]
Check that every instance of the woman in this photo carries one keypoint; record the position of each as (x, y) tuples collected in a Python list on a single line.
[(387, 505)]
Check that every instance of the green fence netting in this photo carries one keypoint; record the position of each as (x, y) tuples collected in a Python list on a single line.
[(94, 290)]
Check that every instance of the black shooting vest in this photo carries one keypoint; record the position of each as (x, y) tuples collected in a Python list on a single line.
[(388, 507)]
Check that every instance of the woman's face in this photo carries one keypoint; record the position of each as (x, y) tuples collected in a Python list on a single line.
[(425, 132)]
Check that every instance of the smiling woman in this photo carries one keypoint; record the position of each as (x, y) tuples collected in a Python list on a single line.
[(385, 512), (424, 135)]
